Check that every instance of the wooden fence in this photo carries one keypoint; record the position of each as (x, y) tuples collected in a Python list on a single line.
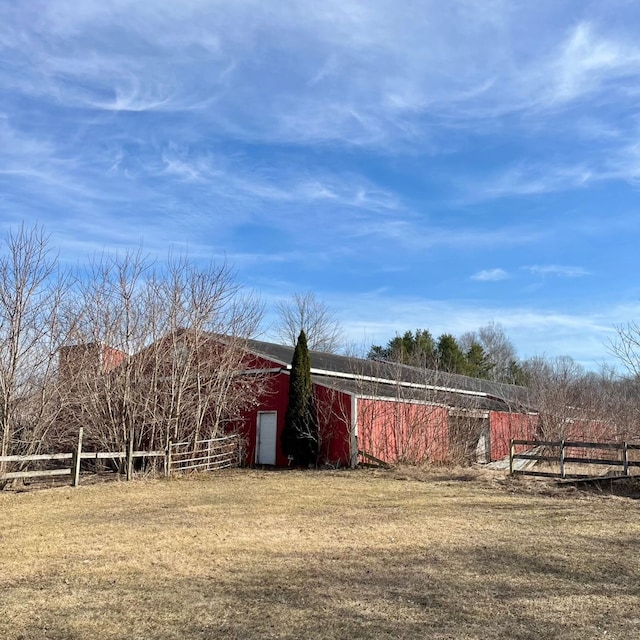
[(202, 455), (566, 452)]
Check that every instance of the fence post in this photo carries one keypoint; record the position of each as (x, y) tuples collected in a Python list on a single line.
[(625, 459), (562, 474), (130, 456), (512, 451), (75, 470), (167, 460)]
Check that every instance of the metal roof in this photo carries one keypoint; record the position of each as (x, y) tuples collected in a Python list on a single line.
[(383, 378)]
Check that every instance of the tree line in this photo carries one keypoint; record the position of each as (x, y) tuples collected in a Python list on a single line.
[(486, 353)]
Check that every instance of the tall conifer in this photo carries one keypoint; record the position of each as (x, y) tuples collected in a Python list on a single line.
[(299, 437)]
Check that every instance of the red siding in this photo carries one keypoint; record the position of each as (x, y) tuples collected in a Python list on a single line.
[(111, 358), (334, 417), (590, 431), (275, 398), (403, 432), (507, 426)]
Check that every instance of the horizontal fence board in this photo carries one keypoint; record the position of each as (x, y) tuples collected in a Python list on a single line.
[(118, 455), (594, 445), (102, 455), (37, 457), (542, 474), (581, 445), (561, 458), (538, 443), (12, 475), (85, 455), (533, 456), (548, 474), (605, 461)]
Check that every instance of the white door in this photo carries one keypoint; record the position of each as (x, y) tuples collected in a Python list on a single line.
[(267, 437)]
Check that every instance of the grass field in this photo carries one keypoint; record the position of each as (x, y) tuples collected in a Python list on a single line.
[(364, 554)]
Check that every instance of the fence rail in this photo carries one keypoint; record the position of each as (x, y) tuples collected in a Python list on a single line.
[(215, 453), (562, 459)]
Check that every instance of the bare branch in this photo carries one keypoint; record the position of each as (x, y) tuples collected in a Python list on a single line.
[(304, 312)]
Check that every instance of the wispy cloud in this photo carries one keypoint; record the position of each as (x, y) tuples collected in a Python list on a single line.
[(369, 76), (375, 142), (490, 275), (587, 61), (558, 270), (532, 179)]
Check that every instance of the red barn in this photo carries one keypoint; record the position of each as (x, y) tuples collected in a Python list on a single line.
[(366, 408), (385, 410)]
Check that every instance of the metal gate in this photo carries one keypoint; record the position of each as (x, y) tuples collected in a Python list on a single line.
[(204, 455)]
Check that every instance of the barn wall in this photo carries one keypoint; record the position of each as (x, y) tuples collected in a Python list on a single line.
[(334, 420), (254, 361), (590, 431), (403, 432), (275, 398), (506, 426), (334, 417)]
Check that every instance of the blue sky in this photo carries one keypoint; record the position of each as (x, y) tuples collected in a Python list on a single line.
[(422, 164)]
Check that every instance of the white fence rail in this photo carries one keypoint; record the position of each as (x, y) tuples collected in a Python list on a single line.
[(201, 455)]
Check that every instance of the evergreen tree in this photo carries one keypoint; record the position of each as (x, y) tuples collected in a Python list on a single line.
[(299, 439), (486, 353), (450, 357), (478, 363), (417, 349)]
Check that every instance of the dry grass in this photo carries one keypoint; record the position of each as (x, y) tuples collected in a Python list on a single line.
[(252, 554)]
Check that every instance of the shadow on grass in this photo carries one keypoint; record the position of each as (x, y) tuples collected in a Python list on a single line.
[(626, 488), (430, 592)]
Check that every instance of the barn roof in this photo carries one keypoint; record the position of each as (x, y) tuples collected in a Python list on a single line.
[(384, 379)]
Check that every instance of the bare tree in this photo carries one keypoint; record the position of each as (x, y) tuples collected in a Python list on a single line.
[(31, 329), (160, 351), (570, 402), (626, 389), (304, 312), (626, 347), (498, 349)]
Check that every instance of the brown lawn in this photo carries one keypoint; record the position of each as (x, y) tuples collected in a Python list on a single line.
[(257, 554)]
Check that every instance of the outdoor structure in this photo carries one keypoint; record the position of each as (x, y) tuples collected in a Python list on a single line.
[(391, 412), (367, 409)]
